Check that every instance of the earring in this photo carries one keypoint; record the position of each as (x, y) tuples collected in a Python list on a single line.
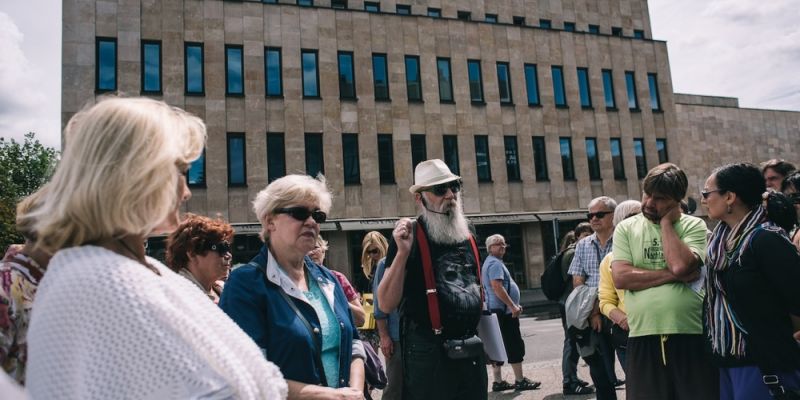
[(730, 210)]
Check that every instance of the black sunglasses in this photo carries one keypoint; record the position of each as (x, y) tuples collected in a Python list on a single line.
[(599, 215), (441, 190), (302, 214), (222, 248), (705, 193)]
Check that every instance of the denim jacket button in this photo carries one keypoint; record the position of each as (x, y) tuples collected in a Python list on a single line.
[(316, 330)]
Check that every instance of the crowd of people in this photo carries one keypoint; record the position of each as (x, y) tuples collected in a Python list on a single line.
[(690, 313)]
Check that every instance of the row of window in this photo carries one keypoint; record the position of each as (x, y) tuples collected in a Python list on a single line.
[(234, 76), (276, 158)]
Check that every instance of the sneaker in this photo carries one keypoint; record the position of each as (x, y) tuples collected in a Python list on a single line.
[(501, 386), (577, 389), (526, 384)]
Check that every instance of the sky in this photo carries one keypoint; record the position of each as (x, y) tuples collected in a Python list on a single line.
[(749, 49)]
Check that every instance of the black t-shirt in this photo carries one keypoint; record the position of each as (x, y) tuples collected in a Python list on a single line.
[(457, 284)]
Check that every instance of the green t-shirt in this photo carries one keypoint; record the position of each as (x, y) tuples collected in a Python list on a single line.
[(672, 308)]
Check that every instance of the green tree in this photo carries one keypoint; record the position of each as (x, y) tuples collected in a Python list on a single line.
[(24, 167)]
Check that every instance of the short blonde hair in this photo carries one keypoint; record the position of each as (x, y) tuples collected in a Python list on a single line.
[(119, 172), (322, 243), (289, 190), (494, 239), (373, 238)]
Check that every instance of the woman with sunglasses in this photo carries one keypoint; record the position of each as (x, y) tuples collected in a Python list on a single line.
[(293, 308), (373, 249), (791, 188), (200, 251), (751, 290)]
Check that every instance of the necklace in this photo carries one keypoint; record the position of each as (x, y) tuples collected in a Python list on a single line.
[(136, 257)]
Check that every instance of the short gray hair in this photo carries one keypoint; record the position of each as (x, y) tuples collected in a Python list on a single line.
[(494, 239), (607, 201), (625, 209), (288, 190)]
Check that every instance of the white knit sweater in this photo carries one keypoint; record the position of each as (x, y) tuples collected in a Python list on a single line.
[(106, 327)]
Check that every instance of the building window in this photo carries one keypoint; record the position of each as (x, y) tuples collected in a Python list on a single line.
[(413, 80), (445, 80), (638, 34), (193, 69), (616, 31), (482, 163), (567, 165), (559, 94), (196, 176), (594, 29), (310, 74), (616, 158), (540, 159), (569, 26), (490, 18), (419, 151), (272, 68), (583, 87), (347, 77), (451, 153), (545, 24), (532, 84), (380, 76), (270, 1), (655, 100), (339, 4), (519, 21), (465, 15), (305, 3), (504, 83), (512, 158), (630, 83), (106, 69), (237, 160), (592, 157), (608, 90), (352, 173), (370, 6), (403, 9), (641, 161), (151, 66), (435, 12), (385, 159), (475, 81), (661, 148), (276, 156), (315, 163), (234, 71)]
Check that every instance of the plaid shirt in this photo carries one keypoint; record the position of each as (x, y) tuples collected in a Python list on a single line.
[(588, 254)]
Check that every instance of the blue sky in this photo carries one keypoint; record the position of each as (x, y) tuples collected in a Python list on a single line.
[(748, 49)]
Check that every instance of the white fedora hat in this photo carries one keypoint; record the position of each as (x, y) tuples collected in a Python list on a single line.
[(431, 173)]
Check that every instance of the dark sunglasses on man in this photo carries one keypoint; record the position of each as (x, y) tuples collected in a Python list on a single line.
[(222, 248), (302, 214), (441, 190), (599, 215)]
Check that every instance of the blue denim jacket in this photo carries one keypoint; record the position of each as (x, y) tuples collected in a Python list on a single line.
[(255, 303), (393, 319)]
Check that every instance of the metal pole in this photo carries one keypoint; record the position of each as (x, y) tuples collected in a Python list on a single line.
[(555, 234)]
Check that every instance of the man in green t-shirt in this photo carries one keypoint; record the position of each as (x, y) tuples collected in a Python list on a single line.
[(658, 259)]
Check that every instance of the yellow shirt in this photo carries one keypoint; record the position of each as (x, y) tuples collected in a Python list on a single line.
[(610, 296)]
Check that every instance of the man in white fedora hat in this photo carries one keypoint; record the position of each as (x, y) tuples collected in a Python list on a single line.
[(442, 356)]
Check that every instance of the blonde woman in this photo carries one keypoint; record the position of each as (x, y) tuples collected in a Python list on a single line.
[(373, 249), (111, 322)]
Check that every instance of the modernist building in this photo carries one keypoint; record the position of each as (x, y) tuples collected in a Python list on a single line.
[(539, 106)]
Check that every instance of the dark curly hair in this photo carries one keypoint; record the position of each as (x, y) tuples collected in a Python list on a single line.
[(195, 235)]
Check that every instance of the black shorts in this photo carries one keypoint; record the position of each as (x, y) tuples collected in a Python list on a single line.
[(512, 337)]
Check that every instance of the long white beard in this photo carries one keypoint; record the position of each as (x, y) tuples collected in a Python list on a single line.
[(447, 229)]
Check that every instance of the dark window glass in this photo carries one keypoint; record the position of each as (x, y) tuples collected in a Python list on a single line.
[(583, 87), (237, 161), (372, 7), (272, 61), (380, 77), (540, 159), (559, 94), (616, 31), (314, 161), (569, 26), (545, 24), (638, 34), (465, 15), (193, 68), (106, 70), (340, 4), (655, 101), (532, 84), (592, 157), (413, 82), (491, 18), (482, 162), (385, 158), (234, 77), (661, 147), (518, 20), (419, 151), (306, 3), (270, 1), (445, 80), (567, 165), (475, 81), (451, 153), (641, 161), (403, 9), (151, 66), (310, 73), (352, 174), (630, 83), (504, 83), (512, 158), (608, 89), (594, 29), (347, 77), (435, 12), (196, 177), (616, 158), (276, 156)]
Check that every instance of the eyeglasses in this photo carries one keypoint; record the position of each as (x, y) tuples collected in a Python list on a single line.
[(302, 214), (706, 193), (599, 215), (441, 190), (222, 248), (373, 251)]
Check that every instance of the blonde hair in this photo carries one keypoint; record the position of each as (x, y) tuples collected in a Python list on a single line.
[(24, 224), (373, 238), (289, 190), (494, 239), (625, 209), (322, 243), (119, 172)]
